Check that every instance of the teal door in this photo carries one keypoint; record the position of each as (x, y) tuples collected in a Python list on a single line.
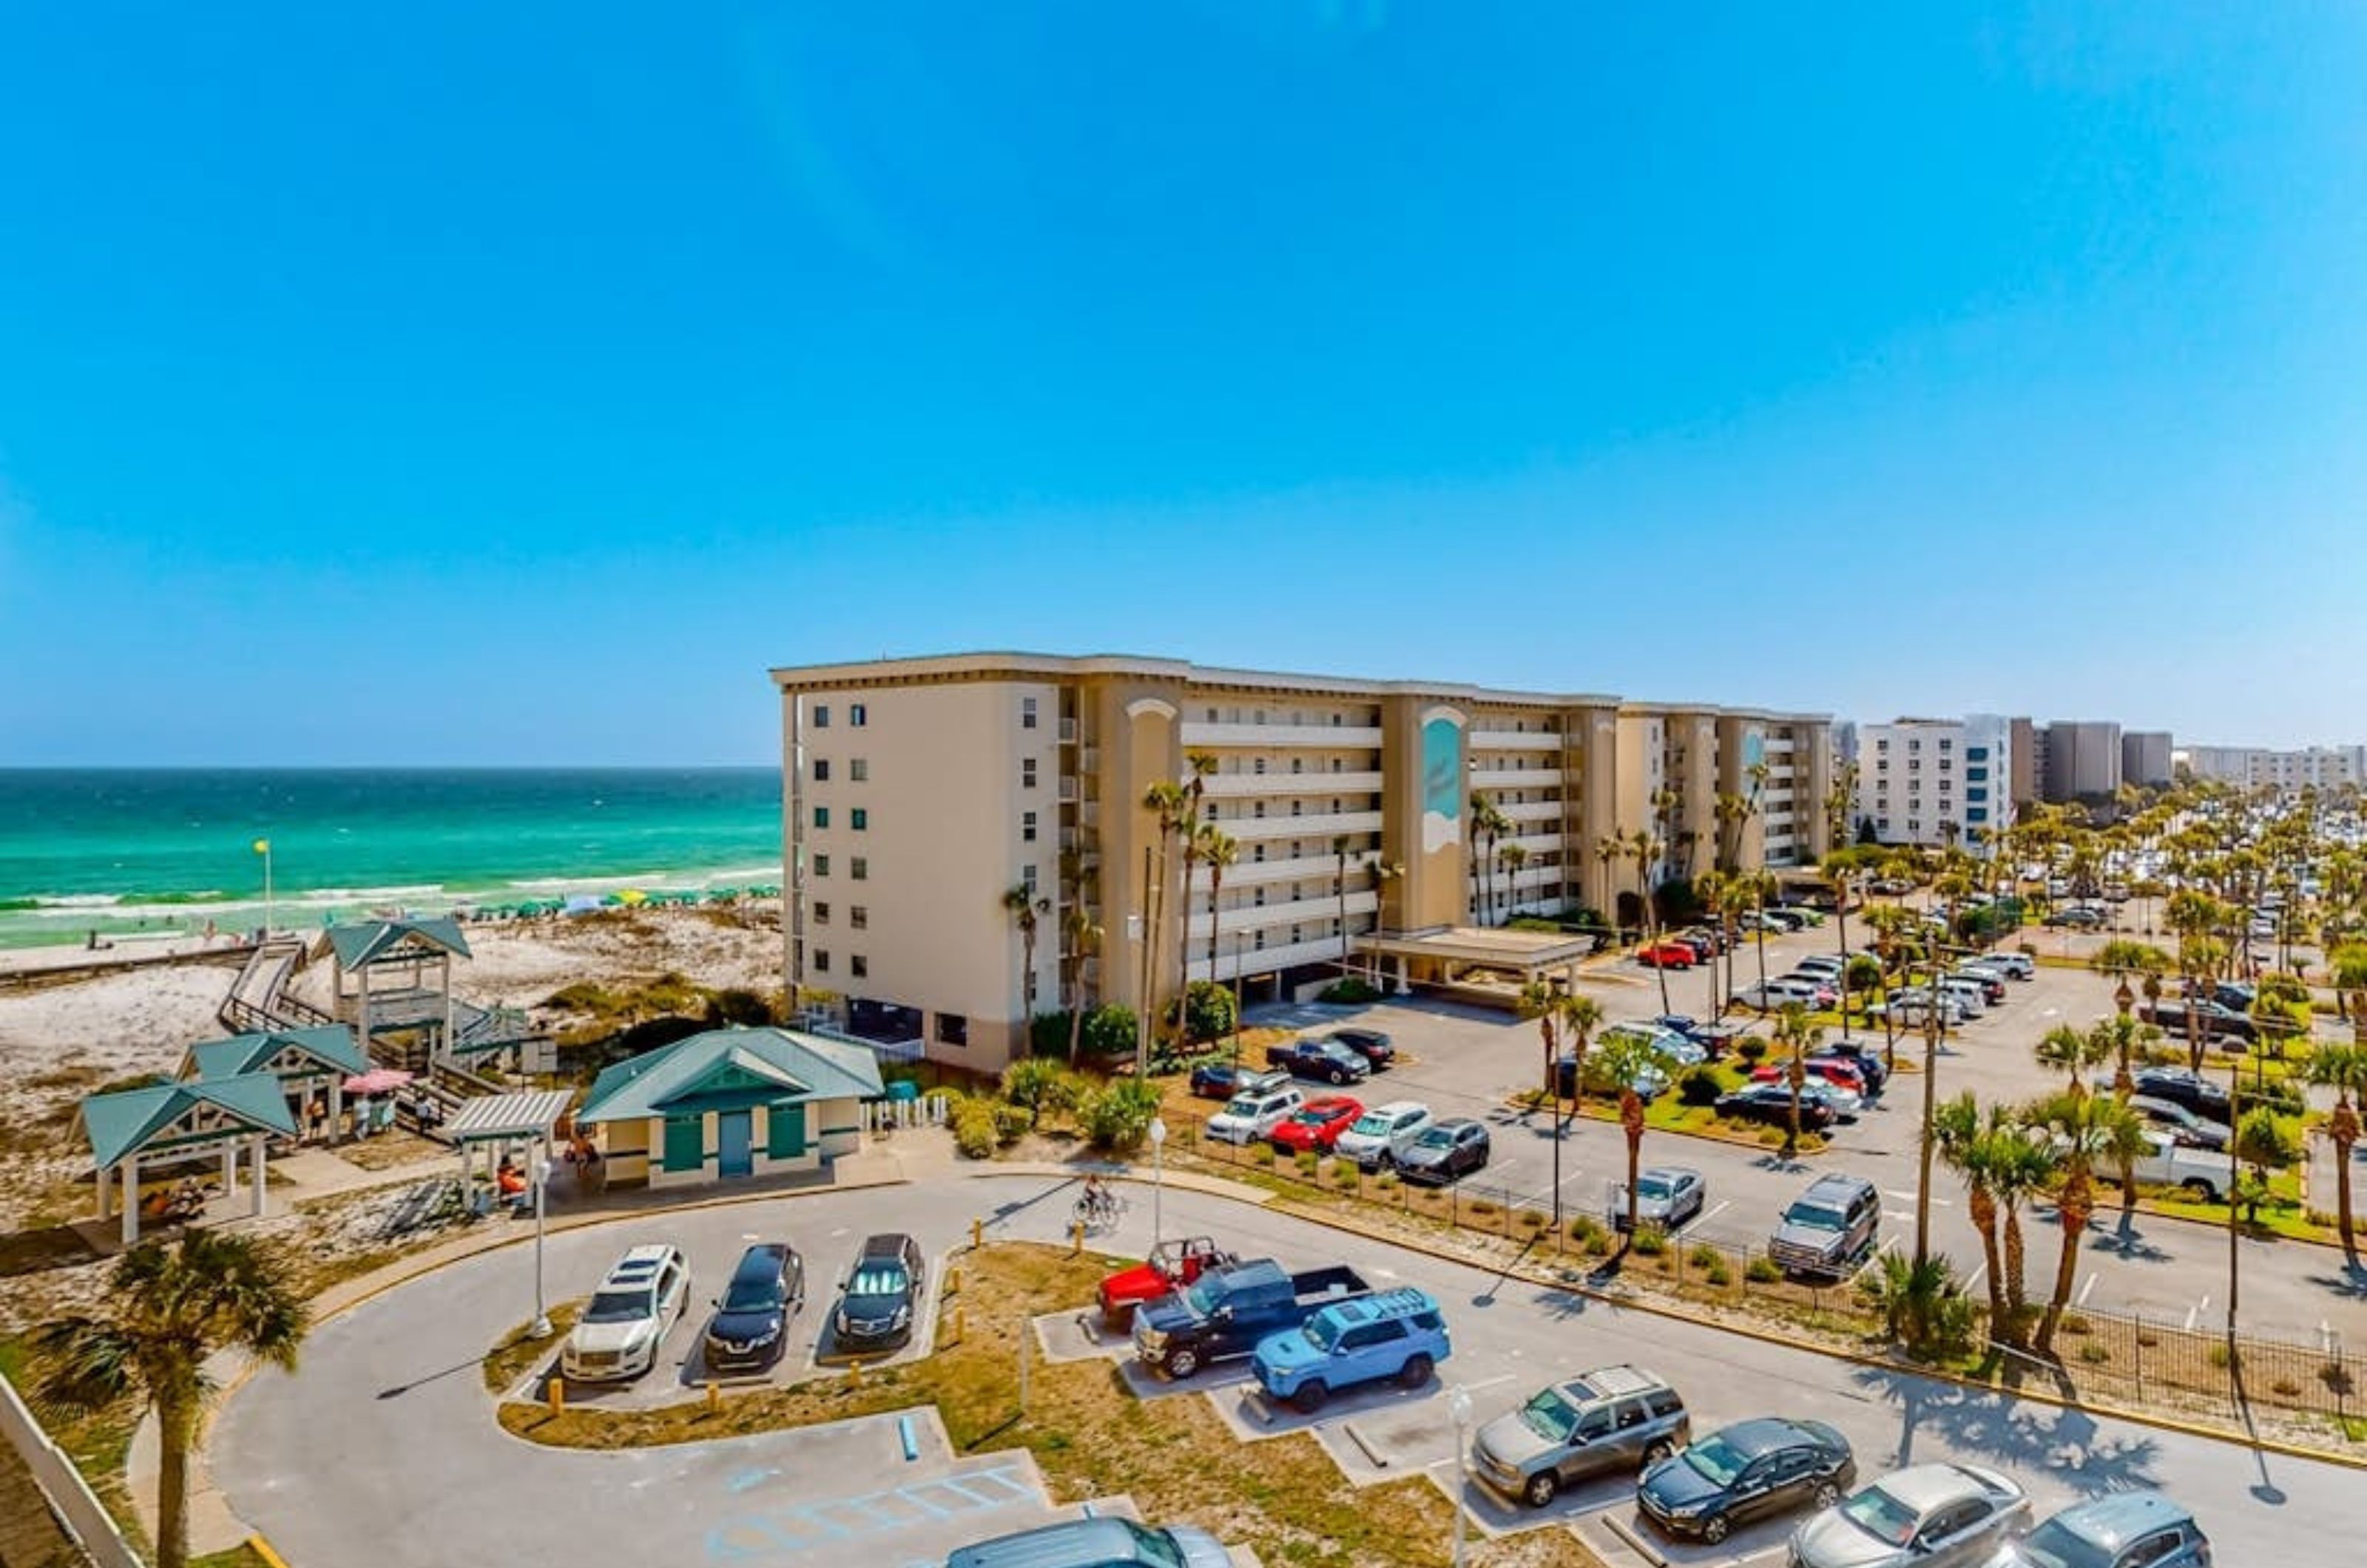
[(735, 1141)]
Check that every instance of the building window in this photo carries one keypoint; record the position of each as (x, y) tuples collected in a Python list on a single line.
[(1026, 713), (822, 865), (1026, 773), (821, 914), (858, 918), (821, 769), (858, 769), (860, 869), (1257, 765), (822, 716), (1027, 876), (953, 1029), (861, 820), (857, 714), (1976, 753), (821, 961), (858, 967), (821, 816), (1028, 827)]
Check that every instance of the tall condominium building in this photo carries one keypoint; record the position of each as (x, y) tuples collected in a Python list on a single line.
[(1936, 781), (2258, 767), (920, 793), (2145, 758), (2081, 760)]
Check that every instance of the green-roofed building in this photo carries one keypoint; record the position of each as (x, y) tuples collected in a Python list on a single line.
[(311, 1064), (731, 1103), (168, 1124)]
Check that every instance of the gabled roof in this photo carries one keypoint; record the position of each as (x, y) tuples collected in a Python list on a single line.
[(330, 1047), (370, 941), (775, 1066), (121, 1123)]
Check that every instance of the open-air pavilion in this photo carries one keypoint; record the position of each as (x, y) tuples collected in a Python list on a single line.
[(1484, 964), (165, 1126), (310, 1064), (393, 980), (490, 1125)]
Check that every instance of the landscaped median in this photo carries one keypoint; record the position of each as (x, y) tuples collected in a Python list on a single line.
[(1090, 1436)]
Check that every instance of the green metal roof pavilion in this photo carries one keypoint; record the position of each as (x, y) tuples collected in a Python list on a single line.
[(732, 1069), (368, 942), (122, 1122), (330, 1048)]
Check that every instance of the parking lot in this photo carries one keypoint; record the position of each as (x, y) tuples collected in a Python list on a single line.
[(1470, 1061), (809, 1344)]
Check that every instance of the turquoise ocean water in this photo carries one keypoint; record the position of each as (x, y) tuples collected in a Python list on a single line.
[(147, 851)]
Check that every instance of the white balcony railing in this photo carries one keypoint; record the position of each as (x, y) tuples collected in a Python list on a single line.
[(1259, 735), (1309, 826), (1297, 912), (1515, 778), (1265, 960), (1067, 732), (1514, 740), (1305, 868), (1229, 786), (1534, 810)]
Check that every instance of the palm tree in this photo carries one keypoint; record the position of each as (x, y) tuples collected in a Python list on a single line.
[(1026, 910), (1967, 1139), (2073, 1050), (168, 1306), (1840, 869), (2084, 1129), (1386, 873), (2021, 1166), (1081, 934), (1198, 767), (2343, 1068), (1514, 858), (1540, 1001), (1218, 850), (1647, 850), (1171, 804), (1796, 1035), (1628, 1059), (1609, 850), (1488, 825)]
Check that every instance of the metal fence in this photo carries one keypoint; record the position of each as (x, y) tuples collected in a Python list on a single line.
[(2126, 1357)]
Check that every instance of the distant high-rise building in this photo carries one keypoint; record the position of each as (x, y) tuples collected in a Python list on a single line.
[(2145, 758), (2083, 760), (2260, 767), (1936, 781)]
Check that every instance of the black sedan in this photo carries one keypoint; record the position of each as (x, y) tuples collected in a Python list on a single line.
[(1370, 1043), (1445, 1152), (751, 1320), (2183, 1086), (875, 1310), (1772, 1103), (1222, 1080), (1748, 1471)]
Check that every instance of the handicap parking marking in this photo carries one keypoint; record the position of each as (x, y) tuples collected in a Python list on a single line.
[(804, 1526)]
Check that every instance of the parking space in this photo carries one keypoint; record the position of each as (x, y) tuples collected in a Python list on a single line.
[(809, 1342)]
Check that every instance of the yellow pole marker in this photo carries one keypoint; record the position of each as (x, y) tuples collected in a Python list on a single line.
[(854, 1374), (977, 1234), (714, 1397), (1077, 1240), (558, 1391), (961, 1327), (953, 1281)]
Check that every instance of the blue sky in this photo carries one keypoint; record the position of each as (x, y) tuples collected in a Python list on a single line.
[(448, 383)]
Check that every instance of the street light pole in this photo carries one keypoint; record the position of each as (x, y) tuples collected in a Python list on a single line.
[(1458, 1405), (1158, 1179), (541, 1183)]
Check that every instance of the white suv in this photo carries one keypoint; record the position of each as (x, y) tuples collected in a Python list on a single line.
[(625, 1323), (1253, 1113), (1384, 1132)]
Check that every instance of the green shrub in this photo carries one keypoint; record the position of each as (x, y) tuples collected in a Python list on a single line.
[(1705, 1256), (1348, 991), (1207, 1013), (1532, 1219), (1118, 1117), (1752, 1049), (1385, 1180), (1650, 1241), (974, 1130), (1109, 1032), (1698, 1086), (1308, 1161), (1479, 1208), (1048, 1033), (1762, 1271), (1011, 1123), (2095, 1355), (1585, 1230)]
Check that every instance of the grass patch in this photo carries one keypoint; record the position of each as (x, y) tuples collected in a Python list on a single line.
[(519, 1352), (243, 1555), (1283, 1497)]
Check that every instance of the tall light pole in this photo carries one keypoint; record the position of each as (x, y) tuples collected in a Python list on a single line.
[(1458, 1405), (541, 1181), (1158, 1179)]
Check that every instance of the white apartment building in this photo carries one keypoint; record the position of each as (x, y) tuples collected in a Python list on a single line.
[(2260, 767), (1936, 781)]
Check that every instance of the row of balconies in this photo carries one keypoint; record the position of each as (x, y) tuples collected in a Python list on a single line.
[(1259, 961), (1514, 740), (1311, 825), (1515, 778), (1200, 733), (1283, 781)]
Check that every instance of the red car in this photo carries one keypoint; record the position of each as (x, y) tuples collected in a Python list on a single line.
[(1318, 1125), (1824, 1067), (1666, 956), (1171, 1265)]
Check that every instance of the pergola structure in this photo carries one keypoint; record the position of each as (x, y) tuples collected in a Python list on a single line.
[(1443, 955), (494, 1122), (307, 1062), (395, 978), (172, 1122)]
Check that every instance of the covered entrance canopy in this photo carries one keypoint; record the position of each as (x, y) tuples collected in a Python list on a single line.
[(307, 1062), (494, 1122), (167, 1124), (1487, 964)]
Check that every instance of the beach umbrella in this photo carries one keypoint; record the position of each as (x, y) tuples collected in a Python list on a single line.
[(581, 904), (632, 896), (378, 1080)]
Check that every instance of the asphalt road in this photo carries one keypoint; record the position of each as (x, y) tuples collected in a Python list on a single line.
[(1470, 1062), (382, 1449)]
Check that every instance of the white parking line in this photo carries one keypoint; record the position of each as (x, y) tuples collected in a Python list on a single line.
[(2197, 1310), (2086, 1289), (1979, 1275), (1703, 1217)]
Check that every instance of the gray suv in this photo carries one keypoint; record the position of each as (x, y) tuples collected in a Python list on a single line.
[(1829, 1229), (1616, 1418)]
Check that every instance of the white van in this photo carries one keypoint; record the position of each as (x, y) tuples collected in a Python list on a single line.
[(1253, 1113)]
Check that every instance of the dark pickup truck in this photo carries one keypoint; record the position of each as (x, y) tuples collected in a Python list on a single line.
[(1325, 1059), (1223, 1315)]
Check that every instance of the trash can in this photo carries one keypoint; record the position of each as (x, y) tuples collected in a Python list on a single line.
[(903, 1088)]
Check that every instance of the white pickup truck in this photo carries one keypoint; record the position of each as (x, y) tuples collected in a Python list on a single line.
[(2202, 1172)]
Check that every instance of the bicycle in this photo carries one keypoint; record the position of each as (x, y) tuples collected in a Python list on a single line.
[(1098, 1210)]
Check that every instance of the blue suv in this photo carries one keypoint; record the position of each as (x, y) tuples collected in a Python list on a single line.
[(1395, 1335)]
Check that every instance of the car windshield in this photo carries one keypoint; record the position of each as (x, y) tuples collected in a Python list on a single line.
[(1436, 1138), (1881, 1516), (618, 1306), (1815, 1217), (1323, 1331), (1650, 1186), (2053, 1546), (1241, 1105), (1550, 1416), (878, 1279), (753, 1295), (1203, 1300), (1372, 1123), (1315, 1115), (1718, 1460), (1155, 1547)]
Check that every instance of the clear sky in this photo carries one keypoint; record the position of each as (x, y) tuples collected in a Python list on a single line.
[(448, 383)]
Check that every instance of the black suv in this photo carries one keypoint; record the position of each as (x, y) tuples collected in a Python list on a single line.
[(875, 1310), (2183, 1086), (1370, 1043), (751, 1319)]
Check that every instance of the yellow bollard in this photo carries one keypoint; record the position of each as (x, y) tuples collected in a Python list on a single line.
[(714, 1397), (558, 1391), (1077, 1238), (977, 1234), (961, 1326), (854, 1374), (953, 1281)]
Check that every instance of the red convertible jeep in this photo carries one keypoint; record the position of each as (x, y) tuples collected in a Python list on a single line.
[(1171, 1265)]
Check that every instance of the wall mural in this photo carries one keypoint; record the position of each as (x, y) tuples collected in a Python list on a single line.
[(1754, 748), (1441, 784)]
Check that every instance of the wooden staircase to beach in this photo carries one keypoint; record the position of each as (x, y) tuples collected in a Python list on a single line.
[(259, 1000)]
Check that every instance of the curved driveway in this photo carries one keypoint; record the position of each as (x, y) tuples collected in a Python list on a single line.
[(381, 1451)]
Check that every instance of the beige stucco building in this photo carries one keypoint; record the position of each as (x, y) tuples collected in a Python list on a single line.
[(918, 791)]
